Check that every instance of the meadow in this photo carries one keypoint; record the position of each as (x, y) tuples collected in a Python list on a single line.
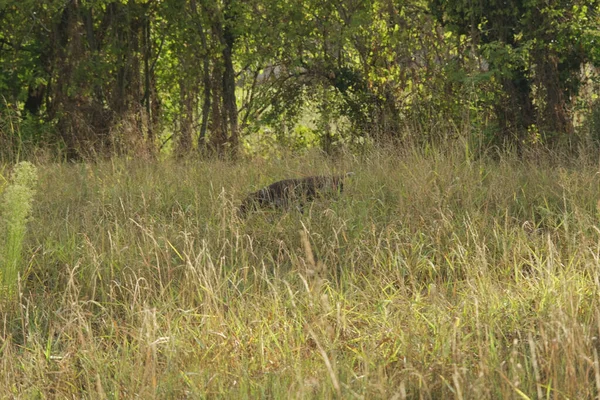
[(436, 274)]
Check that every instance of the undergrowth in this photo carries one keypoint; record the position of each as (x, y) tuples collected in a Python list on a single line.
[(15, 209), (434, 275)]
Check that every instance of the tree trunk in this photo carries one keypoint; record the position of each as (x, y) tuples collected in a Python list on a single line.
[(184, 144), (206, 103), (516, 112), (228, 109), (218, 124), (150, 139), (555, 115), (229, 99)]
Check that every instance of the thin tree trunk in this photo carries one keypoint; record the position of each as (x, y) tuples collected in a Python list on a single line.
[(229, 99), (224, 33), (205, 78), (186, 119), (555, 115), (147, 55), (218, 123)]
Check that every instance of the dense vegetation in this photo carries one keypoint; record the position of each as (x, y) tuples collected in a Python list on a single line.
[(435, 275), (88, 78), (461, 261)]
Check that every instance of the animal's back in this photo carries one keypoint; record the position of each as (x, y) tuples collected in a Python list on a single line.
[(282, 193)]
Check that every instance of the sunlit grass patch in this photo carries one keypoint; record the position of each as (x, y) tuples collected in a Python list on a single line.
[(15, 210)]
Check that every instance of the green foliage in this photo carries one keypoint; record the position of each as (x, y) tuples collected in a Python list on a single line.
[(15, 210), (535, 51), (105, 77)]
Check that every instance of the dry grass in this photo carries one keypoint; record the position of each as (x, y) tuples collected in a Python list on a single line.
[(435, 275)]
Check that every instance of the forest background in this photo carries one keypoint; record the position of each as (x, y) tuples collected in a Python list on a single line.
[(88, 78)]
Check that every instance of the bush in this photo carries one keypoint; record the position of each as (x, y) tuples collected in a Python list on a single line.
[(15, 210)]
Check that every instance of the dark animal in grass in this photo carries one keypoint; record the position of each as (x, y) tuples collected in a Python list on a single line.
[(288, 192)]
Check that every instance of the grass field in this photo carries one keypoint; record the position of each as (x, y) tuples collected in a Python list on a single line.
[(435, 275)]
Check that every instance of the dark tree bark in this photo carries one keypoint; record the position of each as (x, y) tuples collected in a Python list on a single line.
[(515, 112), (555, 114), (206, 103), (148, 82), (229, 99), (218, 124), (227, 110), (184, 144)]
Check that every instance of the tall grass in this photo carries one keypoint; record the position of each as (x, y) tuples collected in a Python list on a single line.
[(15, 210), (435, 275)]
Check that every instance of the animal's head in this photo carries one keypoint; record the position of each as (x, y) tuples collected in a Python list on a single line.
[(242, 211), (245, 207), (251, 203)]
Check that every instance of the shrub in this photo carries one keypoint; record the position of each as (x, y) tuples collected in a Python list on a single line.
[(15, 210)]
